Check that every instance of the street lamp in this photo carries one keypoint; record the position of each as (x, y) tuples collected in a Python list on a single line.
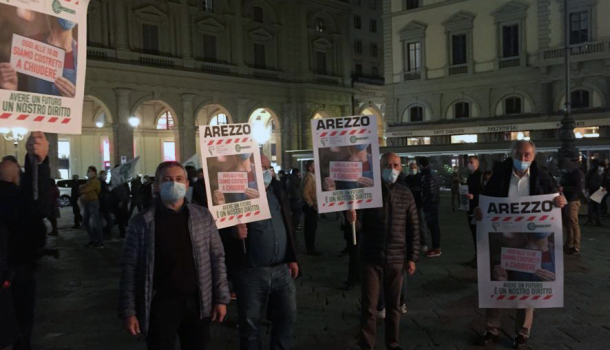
[(15, 134), (566, 132), (134, 121), (260, 133)]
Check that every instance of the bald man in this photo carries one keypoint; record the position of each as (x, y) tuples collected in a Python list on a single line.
[(389, 245)]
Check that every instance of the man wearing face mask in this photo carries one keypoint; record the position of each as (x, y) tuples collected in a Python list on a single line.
[(431, 197), (310, 208), (89, 194), (593, 181), (475, 187), (518, 176), (413, 180), (572, 186), (389, 245), (263, 273), (173, 274)]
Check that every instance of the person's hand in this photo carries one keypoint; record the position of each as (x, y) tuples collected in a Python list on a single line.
[(500, 274), (65, 87), (218, 312), (38, 145), (559, 201), (251, 193), (218, 198), (132, 325), (294, 269), (329, 184), (478, 214), (545, 275), (8, 77), (366, 182), (242, 231), (410, 267), (470, 196), (351, 216)]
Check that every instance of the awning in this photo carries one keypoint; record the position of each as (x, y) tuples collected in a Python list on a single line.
[(489, 125)]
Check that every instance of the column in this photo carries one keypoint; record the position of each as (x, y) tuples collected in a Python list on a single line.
[(123, 132), (287, 134), (186, 130), (121, 34), (185, 31), (53, 154), (241, 116)]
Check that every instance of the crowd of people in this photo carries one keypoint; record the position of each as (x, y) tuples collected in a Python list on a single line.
[(179, 272)]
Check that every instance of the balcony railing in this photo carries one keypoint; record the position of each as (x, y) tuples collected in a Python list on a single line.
[(265, 73), (218, 68), (458, 69), (158, 61), (509, 62), (100, 53), (576, 51), (328, 79)]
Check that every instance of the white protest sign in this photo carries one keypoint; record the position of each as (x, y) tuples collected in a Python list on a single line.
[(123, 172), (520, 253), (346, 153), (233, 174), (464, 201), (598, 195), (42, 84)]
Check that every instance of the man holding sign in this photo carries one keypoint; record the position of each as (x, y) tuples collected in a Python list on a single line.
[(389, 245)]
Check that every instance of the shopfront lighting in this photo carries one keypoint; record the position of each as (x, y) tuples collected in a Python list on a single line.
[(579, 135), (133, 121)]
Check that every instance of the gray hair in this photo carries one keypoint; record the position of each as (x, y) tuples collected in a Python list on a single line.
[(166, 165), (520, 143)]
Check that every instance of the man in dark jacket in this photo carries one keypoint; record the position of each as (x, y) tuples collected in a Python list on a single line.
[(593, 181), (475, 187), (23, 216), (389, 244), (293, 186), (518, 176), (74, 201), (572, 186), (263, 272), (136, 196), (431, 197), (199, 193), (413, 181)]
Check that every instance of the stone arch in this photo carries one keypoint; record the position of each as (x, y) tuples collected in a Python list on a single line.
[(321, 113), (98, 108), (372, 109), (528, 103), (206, 111), (416, 103), (266, 116), (596, 95), (475, 107)]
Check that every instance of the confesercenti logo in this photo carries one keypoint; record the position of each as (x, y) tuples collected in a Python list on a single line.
[(532, 226), (58, 8)]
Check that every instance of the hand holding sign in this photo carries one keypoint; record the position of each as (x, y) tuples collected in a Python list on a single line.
[(500, 274), (65, 87), (545, 275), (329, 184), (37, 145), (251, 193), (8, 77), (219, 198), (366, 182)]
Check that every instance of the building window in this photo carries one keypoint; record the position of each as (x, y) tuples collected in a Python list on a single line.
[(520, 135), (166, 121), (150, 38), (416, 114), (512, 105), (320, 25), (358, 47), (412, 4), (372, 4), (169, 151), (374, 50), (208, 5), (209, 48), (589, 132), (464, 139), (321, 62), (357, 22), (259, 56), (510, 41), (417, 141), (413, 57), (462, 110), (219, 119), (580, 99), (374, 71), (579, 27), (458, 49), (373, 25), (257, 14), (358, 69)]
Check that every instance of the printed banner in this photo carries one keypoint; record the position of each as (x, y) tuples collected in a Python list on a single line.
[(123, 172), (233, 174), (42, 65), (520, 253), (464, 201), (598, 196), (346, 153)]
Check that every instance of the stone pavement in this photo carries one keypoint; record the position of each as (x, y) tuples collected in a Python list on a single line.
[(77, 303)]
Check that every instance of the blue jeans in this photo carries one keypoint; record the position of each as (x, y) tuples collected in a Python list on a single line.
[(262, 292), (91, 221)]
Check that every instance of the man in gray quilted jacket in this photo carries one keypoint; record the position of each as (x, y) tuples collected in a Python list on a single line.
[(173, 274), (389, 245)]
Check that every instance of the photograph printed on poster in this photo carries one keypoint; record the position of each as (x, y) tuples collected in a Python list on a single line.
[(38, 52), (232, 178), (346, 167), (522, 256)]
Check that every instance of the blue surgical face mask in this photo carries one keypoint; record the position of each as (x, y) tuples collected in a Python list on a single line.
[(245, 156), (65, 24), (390, 175), (172, 191), (540, 235), (267, 178), (360, 147), (521, 165)]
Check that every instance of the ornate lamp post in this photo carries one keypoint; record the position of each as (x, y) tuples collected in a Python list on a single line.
[(566, 132), (14, 134)]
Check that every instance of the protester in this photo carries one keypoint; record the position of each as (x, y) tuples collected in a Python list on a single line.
[(89, 193), (293, 186), (572, 187), (74, 194), (430, 192), (475, 187), (413, 181), (606, 185), (9, 327), (173, 274), (389, 245), (191, 172), (21, 217), (119, 199), (593, 181), (136, 196), (310, 208), (199, 192), (147, 192), (518, 176), (263, 272), (54, 207), (456, 180)]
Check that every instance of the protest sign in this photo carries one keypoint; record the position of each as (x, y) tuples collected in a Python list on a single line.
[(464, 201), (123, 172), (346, 152), (42, 65), (598, 195), (233, 174), (520, 253)]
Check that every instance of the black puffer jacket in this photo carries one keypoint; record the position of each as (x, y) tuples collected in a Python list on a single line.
[(390, 234), (430, 186), (499, 184)]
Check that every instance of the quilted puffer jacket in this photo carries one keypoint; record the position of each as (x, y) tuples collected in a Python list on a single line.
[(430, 186), (390, 235)]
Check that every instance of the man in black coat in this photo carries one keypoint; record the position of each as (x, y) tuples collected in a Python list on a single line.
[(518, 176), (475, 187), (431, 197), (74, 201)]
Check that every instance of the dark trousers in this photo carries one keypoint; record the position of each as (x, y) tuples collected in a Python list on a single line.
[(24, 296), (174, 315), (431, 214), (297, 210), (76, 211), (353, 269), (473, 229), (311, 226), (265, 292), (594, 211), (375, 279), (132, 206), (122, 217)]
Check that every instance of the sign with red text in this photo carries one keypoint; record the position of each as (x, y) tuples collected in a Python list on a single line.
[(43, 58), (345, 171), (520, 253), (233, 182)]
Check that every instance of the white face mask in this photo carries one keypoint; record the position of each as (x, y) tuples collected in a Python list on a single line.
[(600, 170), (471, 167), (172, 191), (413, 171), (390, 175)]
